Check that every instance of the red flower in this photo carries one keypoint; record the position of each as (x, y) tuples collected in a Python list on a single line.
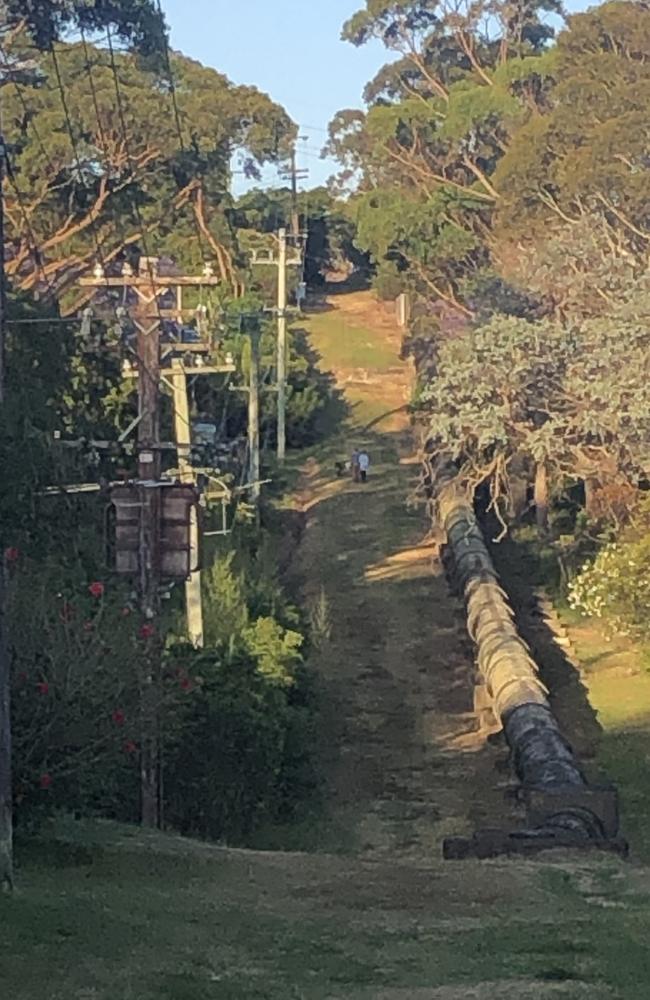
[(186, 684), (130, 747), (12, 554), (118, 717), (96, 589), (88, 626), (45, 781), (126, 612), (146, 631), (43, 687)]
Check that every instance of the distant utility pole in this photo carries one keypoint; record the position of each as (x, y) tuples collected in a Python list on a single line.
[(294, 175), (282, 345), (282, 263), (254, 412)]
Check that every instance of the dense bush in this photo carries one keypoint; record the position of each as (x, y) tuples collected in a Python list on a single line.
[(233, 718), (616, 587)]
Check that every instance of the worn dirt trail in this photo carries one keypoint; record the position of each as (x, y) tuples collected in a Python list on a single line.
[(402, 760)]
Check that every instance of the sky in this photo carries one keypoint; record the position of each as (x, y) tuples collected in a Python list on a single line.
[(290, 49)]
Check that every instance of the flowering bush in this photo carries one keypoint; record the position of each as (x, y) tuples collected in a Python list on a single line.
[(232, 719), (616, 588), (75, 698)]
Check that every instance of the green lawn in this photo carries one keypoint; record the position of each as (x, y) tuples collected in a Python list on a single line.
[(114, 914), (345, 345)]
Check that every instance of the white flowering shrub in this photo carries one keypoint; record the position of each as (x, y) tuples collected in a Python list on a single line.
[(616, 588)]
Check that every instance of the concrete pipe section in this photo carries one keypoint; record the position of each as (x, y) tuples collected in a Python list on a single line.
[(562, 809)]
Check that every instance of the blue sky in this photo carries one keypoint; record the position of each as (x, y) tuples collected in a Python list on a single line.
[(290, 49)]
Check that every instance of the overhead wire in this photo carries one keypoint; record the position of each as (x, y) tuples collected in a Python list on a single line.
[(177, 117), (75, 152)]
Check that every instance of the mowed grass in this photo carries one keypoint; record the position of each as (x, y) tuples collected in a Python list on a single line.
[(616, 675), (366, 361), (120, 915), (345, 345)]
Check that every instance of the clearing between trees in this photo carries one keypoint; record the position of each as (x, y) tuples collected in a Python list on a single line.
[(367, 910)]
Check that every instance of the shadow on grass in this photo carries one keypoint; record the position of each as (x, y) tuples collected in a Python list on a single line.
[(625, 757), (519, 570)]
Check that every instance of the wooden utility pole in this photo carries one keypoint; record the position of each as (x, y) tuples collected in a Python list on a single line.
[(293, 175), (282, 345), (6, 796), (147, 316), (148, 362)]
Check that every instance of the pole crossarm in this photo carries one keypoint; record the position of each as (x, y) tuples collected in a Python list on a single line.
[(135, 281)]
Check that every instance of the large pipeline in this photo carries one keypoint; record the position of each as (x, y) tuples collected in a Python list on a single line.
[(562, 809)]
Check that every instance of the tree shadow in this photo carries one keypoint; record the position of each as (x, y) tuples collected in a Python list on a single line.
[(334, 410), (569, 697)]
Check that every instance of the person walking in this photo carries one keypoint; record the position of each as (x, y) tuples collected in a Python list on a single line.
[(354, 466), (364, 465)]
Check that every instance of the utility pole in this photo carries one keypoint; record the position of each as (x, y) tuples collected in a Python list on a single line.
[(6, 796), (293, 175), (282, 345), (254, 411), (183, 437), (148, 363), (147, 316), (282, 263)]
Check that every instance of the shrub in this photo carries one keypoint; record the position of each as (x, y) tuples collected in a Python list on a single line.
[(77, 674), (616, 588)]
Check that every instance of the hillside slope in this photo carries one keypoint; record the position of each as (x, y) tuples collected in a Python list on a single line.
[(372, 912)]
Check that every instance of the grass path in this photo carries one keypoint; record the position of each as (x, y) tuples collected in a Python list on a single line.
[(403, 762), (105, 913)]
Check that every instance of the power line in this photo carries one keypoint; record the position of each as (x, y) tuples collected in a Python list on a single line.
[(127, 147), (75, 151), (177, 117)]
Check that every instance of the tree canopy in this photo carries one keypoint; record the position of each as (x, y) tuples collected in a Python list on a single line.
[(486, 134), (102, 167), (137, 22)]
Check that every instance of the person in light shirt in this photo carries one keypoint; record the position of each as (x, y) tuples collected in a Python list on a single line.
[(364, 465)]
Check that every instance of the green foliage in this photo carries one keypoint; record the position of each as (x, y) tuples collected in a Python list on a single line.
[(573, 399), (616, 587), (587, 152), (387, 280), (136, 21), (116, 177), (226, 767), (77, 664), (275, 649)]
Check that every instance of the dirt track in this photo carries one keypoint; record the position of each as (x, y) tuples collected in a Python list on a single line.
[(403, 762)]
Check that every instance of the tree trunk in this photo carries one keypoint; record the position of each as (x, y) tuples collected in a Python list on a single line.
[(541, 495), (519, 479), (590, 485)]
